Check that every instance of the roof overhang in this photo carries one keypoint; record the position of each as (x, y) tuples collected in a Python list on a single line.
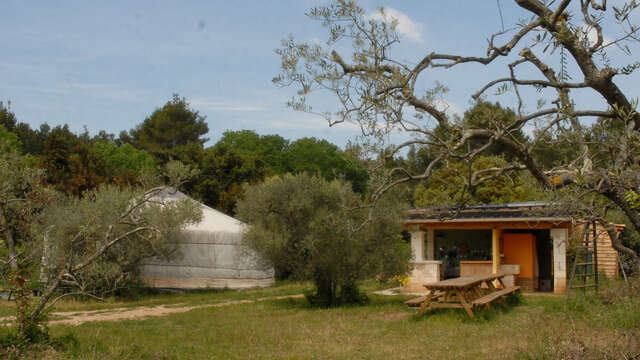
[(489, 223)]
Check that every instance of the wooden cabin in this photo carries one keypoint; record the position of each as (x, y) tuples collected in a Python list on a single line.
[(516, 237)]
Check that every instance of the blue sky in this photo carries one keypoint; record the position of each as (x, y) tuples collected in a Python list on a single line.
[(108, 65)]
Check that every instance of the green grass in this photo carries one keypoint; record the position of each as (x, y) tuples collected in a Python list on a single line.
[(188, 298), (538, 327), (288, 329)]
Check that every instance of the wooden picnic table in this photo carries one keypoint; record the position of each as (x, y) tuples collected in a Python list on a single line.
[(465, 292)]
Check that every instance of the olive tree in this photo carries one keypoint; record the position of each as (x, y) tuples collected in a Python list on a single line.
[(382, 94), (311, 228), (85, 246)]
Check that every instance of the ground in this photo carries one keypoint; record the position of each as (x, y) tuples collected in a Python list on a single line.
[(270, 323)]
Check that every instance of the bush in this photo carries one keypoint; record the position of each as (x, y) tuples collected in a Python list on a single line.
[(312, 229), (37, 343)]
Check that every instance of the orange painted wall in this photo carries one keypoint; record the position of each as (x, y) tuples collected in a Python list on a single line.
[(520, 249)]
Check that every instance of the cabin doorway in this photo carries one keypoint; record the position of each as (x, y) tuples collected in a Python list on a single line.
[(533, 251)]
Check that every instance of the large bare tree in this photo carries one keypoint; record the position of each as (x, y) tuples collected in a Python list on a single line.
[(381, 94)]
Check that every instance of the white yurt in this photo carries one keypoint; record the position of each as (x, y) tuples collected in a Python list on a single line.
[(212, 256)]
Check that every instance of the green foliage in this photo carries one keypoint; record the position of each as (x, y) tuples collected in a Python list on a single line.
[(76, 163), (91, 244), (224, 171), (448, 186), (7, 117), (32, 140), (418, 159), (86, 171), (34, 333), (122, 159), (268, 148), (311, 228), (8, 140), (487, 115), (118, 220), (173, 125), (244, 157), (316, 156), (22, 197), (189, 154), (37, 342), (56, 155), (633, 199)]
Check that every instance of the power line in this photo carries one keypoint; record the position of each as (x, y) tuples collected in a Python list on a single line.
[(500, 12)]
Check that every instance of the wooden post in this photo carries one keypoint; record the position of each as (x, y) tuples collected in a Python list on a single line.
[(430, 245), (495, 247), (595, 254), (417, 245), (560, 238)]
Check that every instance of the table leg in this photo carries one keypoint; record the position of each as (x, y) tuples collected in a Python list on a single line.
[(465, 304), (477, 291), (425, 303), (490, 285), (447, 296)]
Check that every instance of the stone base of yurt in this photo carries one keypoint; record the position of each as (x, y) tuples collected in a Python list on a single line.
[(206, 283)]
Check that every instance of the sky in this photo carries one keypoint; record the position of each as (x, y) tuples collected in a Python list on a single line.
[(106, 65)]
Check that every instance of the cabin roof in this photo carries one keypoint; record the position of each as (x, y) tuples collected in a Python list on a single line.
[(519, 211)]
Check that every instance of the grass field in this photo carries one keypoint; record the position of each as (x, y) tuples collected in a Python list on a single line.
[(539, 327), (190, 298)]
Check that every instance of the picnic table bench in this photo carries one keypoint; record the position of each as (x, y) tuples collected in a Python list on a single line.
[(464, 292)]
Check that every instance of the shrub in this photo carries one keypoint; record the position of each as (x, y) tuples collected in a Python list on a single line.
[(312, 229)]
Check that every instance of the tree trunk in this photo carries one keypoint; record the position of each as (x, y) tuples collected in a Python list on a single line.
[(325, 292), (48, 293), (8, 238), (615, 241), (617, 196)]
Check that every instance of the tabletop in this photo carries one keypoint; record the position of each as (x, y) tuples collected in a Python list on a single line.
[(465, 281)]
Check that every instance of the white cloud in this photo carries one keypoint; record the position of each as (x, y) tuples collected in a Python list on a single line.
[(405, 26), (448, 107), (592, 35)]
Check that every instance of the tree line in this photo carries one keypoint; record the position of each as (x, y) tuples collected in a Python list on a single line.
[(75, 163)]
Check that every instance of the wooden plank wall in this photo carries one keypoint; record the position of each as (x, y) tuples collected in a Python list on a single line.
[(607, 255), (470, 268)]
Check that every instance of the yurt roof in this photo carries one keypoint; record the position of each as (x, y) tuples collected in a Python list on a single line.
[(212, 219)]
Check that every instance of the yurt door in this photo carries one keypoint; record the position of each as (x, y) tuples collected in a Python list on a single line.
[(521, 249)]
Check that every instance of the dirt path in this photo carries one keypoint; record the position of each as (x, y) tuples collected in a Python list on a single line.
[(142, 312)]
